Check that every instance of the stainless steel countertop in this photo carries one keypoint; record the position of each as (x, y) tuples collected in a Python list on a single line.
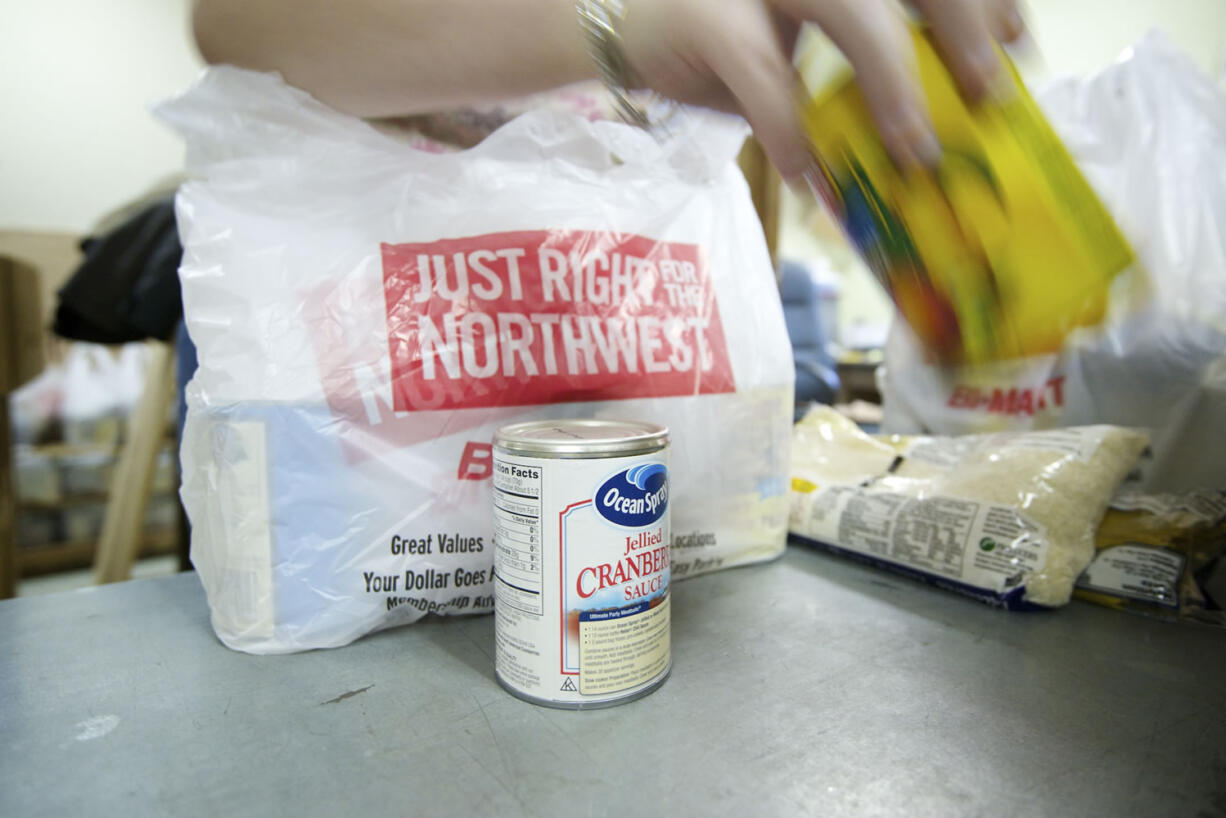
[(809, 686)]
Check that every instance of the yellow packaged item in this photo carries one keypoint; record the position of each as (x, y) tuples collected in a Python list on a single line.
[(1163, 555), (1001, 250)]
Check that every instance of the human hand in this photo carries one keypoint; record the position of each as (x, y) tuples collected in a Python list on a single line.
[(736, 56)]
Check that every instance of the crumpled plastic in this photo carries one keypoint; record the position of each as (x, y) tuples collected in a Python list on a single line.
[(367, 315)]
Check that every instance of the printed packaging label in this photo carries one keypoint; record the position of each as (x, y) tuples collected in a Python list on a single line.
[(987, 546), (1136, 571)]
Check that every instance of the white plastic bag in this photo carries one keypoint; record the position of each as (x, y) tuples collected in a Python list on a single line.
[(1150, 134), (342, 409), (101, 386), (37, 405)]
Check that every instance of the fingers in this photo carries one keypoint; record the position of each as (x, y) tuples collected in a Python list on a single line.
[(747, 46), (747, 56), (1006, 21), (873, 35), (965, 32), (787, 31)]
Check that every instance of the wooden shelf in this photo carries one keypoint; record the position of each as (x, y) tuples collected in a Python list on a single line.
[(60, 448), (71, 556), (75, 500), (63, 502)]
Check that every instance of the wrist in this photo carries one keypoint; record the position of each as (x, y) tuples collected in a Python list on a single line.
[(602, 24)]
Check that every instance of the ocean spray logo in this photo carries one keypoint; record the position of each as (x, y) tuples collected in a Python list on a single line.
[(635, 497)]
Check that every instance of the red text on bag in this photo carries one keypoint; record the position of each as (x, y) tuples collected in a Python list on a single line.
[(1012, 401), (549, 316)]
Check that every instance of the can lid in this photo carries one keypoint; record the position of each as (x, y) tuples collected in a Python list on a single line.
[(577, 438)]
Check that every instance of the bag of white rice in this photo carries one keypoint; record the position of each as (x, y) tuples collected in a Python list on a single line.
[(1005, 518)]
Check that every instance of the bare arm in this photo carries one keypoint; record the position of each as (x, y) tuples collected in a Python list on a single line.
[(387, 57)]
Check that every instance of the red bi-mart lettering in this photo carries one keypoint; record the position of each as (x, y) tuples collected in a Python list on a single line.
[(1012, 401), (476, 462)]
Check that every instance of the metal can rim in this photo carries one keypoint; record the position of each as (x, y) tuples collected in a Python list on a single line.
[(517, 438)]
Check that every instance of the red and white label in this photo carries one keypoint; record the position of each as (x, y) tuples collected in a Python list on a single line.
[(1011, 400), (550, 316)]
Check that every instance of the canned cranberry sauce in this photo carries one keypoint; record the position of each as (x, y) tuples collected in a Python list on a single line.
[(581, 561)]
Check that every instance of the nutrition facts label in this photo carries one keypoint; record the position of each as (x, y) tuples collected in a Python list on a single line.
[(517, 536)]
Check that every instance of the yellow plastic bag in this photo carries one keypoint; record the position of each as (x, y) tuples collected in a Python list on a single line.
[(1162, 555)]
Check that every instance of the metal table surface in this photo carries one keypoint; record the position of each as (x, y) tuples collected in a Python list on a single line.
[(808, 686)]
